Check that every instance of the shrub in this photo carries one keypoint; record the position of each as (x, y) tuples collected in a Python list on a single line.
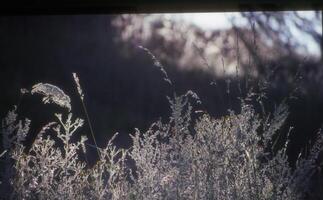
[(232, 157)]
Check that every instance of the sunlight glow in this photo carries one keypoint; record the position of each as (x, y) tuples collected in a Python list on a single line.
[(216, 21)]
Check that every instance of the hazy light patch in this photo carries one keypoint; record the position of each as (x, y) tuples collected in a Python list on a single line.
[(310, 15), (218, 21), (209, 21), (304, 39)]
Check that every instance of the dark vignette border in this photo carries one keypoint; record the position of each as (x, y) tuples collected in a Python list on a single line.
[(48, 7)]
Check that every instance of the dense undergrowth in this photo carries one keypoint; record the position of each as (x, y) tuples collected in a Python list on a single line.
[(233, 157)]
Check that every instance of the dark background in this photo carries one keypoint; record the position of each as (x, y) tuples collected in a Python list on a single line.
[(120, 93)]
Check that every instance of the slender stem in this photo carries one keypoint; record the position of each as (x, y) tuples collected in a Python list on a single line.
[(90, 125), (80, 91)]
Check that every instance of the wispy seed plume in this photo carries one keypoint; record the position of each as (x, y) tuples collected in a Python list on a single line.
[(79, 89), (157, 64), (52, 94)]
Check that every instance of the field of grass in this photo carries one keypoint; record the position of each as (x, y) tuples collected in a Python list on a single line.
[(190, 156)]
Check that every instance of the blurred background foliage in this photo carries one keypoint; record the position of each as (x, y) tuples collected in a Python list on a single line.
[(123, 89)]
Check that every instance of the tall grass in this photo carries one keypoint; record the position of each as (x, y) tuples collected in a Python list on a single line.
[(191, 156), (231, 157)]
